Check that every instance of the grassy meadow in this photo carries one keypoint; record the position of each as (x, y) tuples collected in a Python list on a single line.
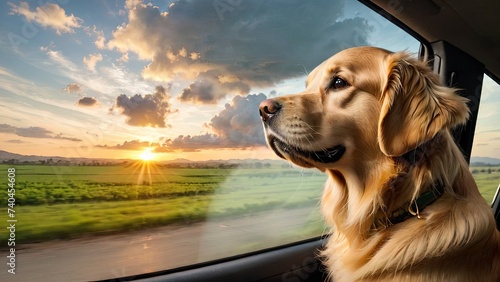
[(487, 180), (74, 201)]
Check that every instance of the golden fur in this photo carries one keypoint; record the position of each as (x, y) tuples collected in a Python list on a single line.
[(391, 104)]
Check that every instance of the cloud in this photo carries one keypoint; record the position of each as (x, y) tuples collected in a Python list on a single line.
[(15, 141), (7, 128), (68, 66), (137, 145), (98, 35), (49, 15), (34, 132), (109, 81), (60, 136), (148, 110), (196, 143), (209, 91), (123, 58), (238, 125), (92, 60), (254, 44), (132, 145), (87, 102), (73, 88)]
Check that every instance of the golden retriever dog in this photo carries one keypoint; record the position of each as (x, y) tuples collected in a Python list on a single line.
[(400, 200)]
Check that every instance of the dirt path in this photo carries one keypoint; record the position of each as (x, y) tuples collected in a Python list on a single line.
[(150, 250)]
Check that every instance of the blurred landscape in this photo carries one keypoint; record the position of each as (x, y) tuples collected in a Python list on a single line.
[(67, 198), (178, 212)]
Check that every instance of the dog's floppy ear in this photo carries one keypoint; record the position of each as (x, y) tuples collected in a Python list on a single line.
[(415, 106)]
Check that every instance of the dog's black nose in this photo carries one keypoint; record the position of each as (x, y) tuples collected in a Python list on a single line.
[(268, 108)]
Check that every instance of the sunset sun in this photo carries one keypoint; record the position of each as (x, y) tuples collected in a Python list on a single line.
[(146, 155)]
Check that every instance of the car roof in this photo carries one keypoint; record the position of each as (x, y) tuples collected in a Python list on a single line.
[(472, 26)]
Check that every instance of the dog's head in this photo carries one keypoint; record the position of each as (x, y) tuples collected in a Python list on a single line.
[(361, 104)]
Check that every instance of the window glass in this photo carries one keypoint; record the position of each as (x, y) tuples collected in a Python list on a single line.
[(130, 136), (485, 156)]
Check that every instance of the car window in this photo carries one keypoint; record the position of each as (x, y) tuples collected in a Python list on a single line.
[(130, 136), (485, 156)]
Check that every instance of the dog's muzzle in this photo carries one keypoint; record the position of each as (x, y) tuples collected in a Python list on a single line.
[(269, 109), (325, 156)]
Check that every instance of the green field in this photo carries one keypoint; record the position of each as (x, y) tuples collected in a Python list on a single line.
[(487, 180), (74, 201)]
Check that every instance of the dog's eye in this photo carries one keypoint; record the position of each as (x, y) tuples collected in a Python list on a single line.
[(338, 83)]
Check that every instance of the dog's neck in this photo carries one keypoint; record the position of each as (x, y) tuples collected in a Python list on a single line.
[(426, 196), (409, 170), (388, 184)]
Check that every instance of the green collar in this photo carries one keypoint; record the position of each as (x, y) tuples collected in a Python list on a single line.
[(412, 208)]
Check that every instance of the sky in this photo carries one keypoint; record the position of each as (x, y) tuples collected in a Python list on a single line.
[(183, 79)]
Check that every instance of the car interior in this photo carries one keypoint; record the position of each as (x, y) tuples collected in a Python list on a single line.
[(461, 41)]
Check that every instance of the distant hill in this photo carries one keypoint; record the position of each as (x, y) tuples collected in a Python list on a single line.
[(8, 157), (478, 161), (4, 155), (177, 161), (224, 163)]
